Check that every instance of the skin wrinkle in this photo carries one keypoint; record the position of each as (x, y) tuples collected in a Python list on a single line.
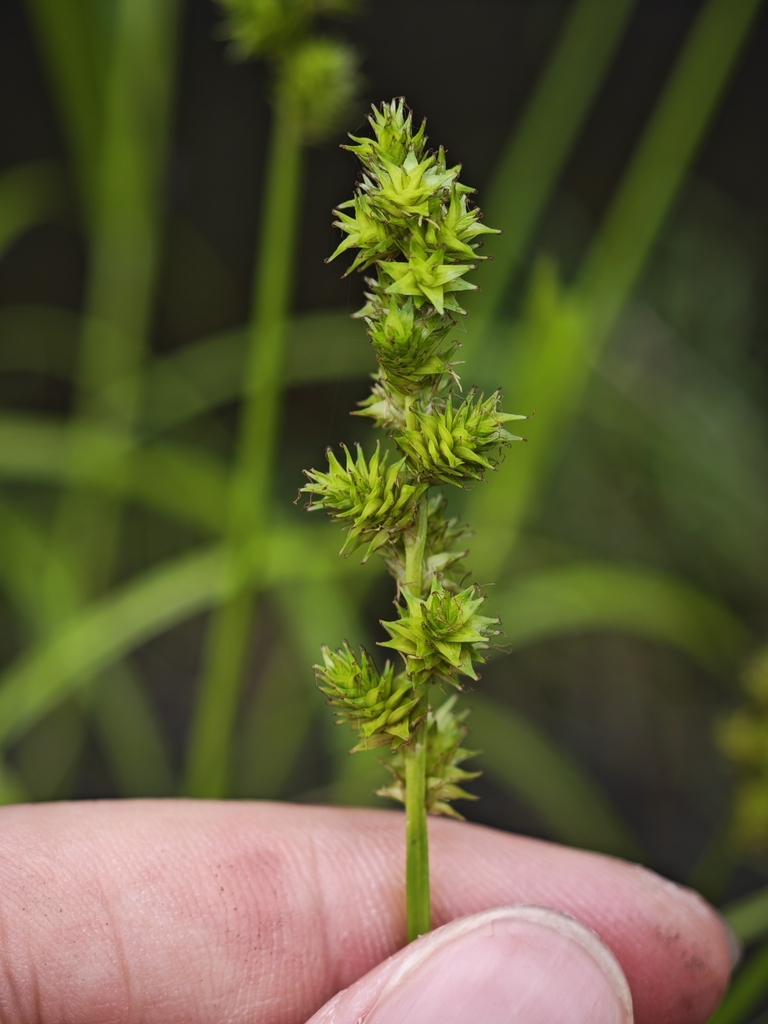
[(17, 1000), (131, 1000), (333, 979), (7, 984), (156, 856)]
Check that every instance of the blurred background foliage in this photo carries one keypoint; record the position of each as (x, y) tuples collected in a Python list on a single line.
[(173, 350)]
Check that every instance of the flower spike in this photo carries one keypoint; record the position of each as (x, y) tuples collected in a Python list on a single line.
[(412, 227)]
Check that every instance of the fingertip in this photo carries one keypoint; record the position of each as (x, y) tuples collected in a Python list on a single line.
[(510, 965)]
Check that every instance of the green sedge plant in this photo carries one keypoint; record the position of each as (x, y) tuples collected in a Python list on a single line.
[(314, 83), (412, 227)]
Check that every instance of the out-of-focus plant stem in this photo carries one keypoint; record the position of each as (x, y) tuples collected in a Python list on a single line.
[(555, 355), (124, 253), (113, 74), (72, 40), (662, 157), (249, 490), (540, 144)]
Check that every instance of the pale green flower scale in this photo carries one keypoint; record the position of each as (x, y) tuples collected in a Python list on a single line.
[(381, 706)]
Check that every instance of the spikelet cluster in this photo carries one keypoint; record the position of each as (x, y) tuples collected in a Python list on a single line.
[(317, 74), (382, 706), (445, 734), (412, 228)]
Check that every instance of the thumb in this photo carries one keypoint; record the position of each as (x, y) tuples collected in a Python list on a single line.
[(520, 964)]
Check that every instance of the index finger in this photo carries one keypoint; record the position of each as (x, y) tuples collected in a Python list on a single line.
[(165, 911)]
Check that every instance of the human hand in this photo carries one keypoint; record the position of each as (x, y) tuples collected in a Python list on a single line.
[(197, 912)]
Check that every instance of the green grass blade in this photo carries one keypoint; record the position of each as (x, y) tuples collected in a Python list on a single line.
[(138, 86), (128, 727), (662, 158), (73, 41), (38, 339), (550, 373), (569, 331), (24, 553), (104, 632), (529, 166), (115, 167), (274, 729), (176, 481), (747, 991), (12, 789), (49, 754), (133, 742), (30, 194), (321, 347), (516, 754), (712, 470), (749, 916), (249, 492), (312, 613), (642, 602)]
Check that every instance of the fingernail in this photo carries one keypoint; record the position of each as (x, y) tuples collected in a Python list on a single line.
[(513, 965)]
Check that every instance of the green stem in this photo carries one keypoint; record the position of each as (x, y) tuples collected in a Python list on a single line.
[(249, 490), (554, 360), (540, 144), (661, 160), (126, 225), (414, 551), (416, 837)]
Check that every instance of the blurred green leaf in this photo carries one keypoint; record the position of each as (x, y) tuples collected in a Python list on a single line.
[(529, 765), (107, 630), (642, 602), (131, 736), (38, 339), (323, 346), (327, 613), (566, 332), (48, 754), (73, 39), (749, 916), (12, 790), (550, 371), (183, 483), (313, 613), (662, 159), (540, 144), (134, 745), (275, 727), (23, 553), (30, 194), (747, 991), (710, 445), (103, 634)]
